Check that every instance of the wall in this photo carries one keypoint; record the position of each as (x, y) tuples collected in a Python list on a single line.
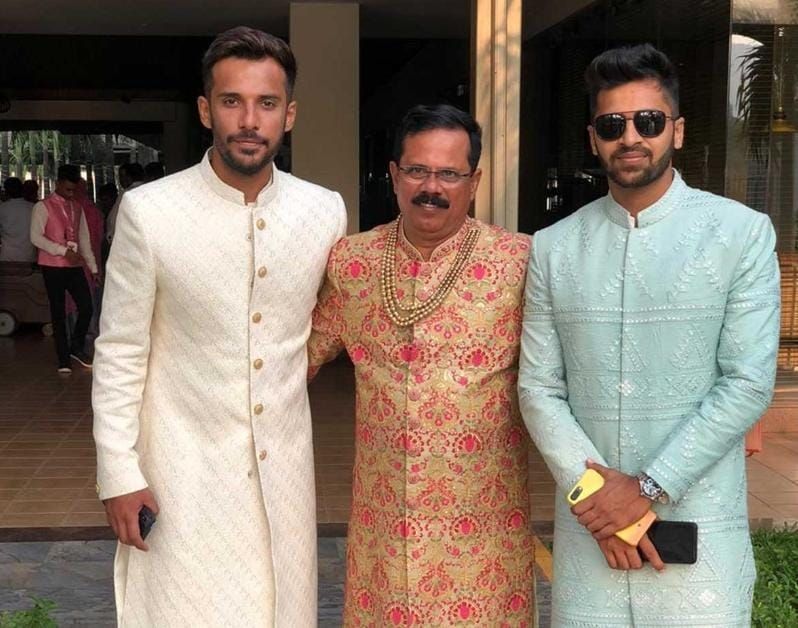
[(325, 143)]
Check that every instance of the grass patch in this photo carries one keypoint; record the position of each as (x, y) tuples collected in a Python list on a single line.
[(37, 617), (776, 592)]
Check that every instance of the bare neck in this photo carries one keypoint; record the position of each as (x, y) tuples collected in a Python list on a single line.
[(249, 185), (635, 200)]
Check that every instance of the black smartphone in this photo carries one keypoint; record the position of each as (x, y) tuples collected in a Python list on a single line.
[(675, 541), (146, 521)]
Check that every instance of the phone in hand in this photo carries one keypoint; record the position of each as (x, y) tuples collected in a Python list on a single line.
[(146, 521), (676, 542), (590, 482)]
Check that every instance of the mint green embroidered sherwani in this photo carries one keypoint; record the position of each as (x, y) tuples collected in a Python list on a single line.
[(653, 348)]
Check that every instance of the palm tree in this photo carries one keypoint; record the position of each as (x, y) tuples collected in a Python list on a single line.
[(17, 154), (5, 140)]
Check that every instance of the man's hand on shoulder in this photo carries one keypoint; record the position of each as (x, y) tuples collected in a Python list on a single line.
[(123, 516), (616, 505)]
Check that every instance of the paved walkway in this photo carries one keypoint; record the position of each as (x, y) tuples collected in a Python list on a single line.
[(77, 577)]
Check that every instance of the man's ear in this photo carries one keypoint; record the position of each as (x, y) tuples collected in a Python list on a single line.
[(393, 168), (290, 116), (475, 179), (204, 108), (591, 132), (678, 133)]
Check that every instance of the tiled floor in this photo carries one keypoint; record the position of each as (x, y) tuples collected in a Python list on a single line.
[(47, 454)]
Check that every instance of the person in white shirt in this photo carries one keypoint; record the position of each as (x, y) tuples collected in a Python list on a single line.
[(15, 213), (59, 230), (130, 176)]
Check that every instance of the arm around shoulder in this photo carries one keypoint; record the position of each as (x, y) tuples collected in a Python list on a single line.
[(328, 325)]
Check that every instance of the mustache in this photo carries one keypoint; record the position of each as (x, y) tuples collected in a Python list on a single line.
[(425, 198), (247, 136), (632, 149)]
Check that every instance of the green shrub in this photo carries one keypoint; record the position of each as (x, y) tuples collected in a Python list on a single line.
[(37, 617), (776, 591)]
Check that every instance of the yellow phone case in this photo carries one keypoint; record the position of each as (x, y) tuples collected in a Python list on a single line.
[(589, 483)]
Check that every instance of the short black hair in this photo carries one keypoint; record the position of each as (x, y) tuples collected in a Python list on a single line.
[(68, 172), (620, 66), (430, 117), (134, 170), (13, 187), (243, 42)]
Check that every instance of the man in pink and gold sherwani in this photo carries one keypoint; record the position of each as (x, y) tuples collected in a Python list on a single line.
[(429, 308)]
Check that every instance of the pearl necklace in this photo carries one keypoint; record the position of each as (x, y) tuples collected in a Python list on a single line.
[(404, 317)]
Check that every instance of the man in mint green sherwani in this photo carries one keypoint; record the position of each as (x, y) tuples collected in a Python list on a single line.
[(649, 349)]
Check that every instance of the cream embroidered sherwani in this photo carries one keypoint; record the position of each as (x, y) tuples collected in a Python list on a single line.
[(200, 394)]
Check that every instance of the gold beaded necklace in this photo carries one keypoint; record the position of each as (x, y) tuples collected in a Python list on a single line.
[(404, 317)]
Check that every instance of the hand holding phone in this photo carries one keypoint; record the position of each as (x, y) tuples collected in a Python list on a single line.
[(146, 521), (125, 516), (676, 542), (590, 482)]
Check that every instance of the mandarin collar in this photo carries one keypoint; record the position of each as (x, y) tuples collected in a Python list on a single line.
[(443, 249), (229, 193), (651, 214)]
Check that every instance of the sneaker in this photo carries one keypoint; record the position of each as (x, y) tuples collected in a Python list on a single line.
[(64, 370), (82, 358)]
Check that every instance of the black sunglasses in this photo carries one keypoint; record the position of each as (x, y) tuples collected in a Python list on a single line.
[(648, 123)]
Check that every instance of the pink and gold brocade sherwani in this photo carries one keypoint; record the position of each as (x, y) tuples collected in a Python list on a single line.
[(439, 530)]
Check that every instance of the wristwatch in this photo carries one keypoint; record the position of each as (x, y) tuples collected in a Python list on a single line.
[(651, 490)]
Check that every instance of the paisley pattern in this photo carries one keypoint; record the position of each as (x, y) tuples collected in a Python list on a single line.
[(439, 531)]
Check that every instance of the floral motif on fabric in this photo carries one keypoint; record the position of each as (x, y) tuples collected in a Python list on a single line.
[(439, 533)]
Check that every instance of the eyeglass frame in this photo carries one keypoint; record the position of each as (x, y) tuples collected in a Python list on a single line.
[(620, 114), (428, 172)]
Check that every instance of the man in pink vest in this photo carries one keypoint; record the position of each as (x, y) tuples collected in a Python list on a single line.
[(60, 232)]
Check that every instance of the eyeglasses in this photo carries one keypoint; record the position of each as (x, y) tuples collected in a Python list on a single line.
[(446, 176), (648, 123)]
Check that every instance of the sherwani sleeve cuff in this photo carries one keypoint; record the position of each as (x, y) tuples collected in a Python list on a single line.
[(125, 478)]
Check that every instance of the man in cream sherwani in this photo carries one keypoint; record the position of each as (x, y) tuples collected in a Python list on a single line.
[(200, 401)]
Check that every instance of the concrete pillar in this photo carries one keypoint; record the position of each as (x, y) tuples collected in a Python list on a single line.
[(496, 101), (325, 143)]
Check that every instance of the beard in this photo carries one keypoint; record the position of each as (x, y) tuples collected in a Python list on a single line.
[(641, 178), (246, 168)]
